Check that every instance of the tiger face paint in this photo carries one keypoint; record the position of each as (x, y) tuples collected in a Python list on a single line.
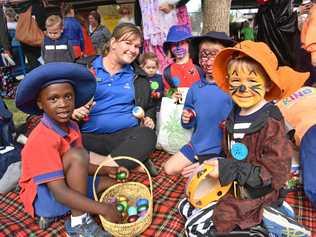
[(247, 86)]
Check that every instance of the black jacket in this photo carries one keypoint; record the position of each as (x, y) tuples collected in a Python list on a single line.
[(143, 92)]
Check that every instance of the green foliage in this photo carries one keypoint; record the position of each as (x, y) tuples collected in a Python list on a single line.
[(18, 116)]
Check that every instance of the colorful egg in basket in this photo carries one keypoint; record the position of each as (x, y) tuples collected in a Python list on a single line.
[(202, 189), (135, 190)]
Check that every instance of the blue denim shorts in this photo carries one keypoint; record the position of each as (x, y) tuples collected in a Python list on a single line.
[(46, 205)]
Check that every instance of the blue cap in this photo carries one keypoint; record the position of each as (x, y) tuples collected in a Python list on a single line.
[(176, 34), (82, 80)]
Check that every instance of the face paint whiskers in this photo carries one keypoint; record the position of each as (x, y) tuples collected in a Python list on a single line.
[(256, 88), (233, 89)]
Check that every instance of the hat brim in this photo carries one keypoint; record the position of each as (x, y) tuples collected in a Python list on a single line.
[(166, 44), (292, 80), (196, 40), (80, 77), (221, 77)]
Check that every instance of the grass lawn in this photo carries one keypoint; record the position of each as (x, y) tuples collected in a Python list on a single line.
[(18, 116)]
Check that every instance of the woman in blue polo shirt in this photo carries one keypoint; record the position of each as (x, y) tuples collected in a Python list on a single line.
[(111, 129)]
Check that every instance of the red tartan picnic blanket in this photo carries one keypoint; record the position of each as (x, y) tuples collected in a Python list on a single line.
[(167, 222)]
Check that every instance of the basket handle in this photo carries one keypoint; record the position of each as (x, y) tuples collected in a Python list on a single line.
[(123, 158)]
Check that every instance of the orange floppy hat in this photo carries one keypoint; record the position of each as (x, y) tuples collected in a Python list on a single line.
[(285, 79)]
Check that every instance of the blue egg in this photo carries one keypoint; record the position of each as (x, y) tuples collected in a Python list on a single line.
[(142, 202), (132, 211)]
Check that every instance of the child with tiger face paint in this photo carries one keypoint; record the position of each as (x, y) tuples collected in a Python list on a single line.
[(257, 152)]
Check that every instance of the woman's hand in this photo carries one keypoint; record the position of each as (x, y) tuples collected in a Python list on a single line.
[(148, 122), (83, 112), (214, 164), (186, 116)]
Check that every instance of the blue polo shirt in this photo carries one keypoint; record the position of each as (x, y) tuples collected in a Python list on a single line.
[(212, 107), (115, 100)]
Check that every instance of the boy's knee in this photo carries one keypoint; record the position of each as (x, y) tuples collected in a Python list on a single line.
[(78, 155), (169, 169)]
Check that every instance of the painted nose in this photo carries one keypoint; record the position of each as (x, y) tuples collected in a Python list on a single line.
[(242, 89)]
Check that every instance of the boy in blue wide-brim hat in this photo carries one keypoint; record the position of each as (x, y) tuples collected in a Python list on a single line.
[(55, 166), (182, 72)]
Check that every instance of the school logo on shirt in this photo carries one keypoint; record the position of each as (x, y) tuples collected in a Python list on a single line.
[(127, 86)]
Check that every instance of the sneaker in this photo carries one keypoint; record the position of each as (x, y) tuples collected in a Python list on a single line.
[(279, 224), (153, 171), (89, 228)]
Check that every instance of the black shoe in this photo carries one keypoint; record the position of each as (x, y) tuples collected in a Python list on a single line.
[(153, 171)]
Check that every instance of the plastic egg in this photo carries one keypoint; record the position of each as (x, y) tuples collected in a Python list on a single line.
[(120, 207), (122, 198), (132, 219), (142, 214), (111, 200), (121, 175), (142, 208), (132, 211), (125, 205), (142, 202), (138, 112)]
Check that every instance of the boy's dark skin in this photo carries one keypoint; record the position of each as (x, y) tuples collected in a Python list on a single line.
[(58, 101)]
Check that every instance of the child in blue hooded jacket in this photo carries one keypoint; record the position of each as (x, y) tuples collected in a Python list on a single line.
[(205, 108)]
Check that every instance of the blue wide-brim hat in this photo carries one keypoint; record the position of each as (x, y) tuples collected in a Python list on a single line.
[(82, 80), (176, 34)]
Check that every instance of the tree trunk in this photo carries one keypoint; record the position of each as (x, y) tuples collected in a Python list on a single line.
[(216, 15)]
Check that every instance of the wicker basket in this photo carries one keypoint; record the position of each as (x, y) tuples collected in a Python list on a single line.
[(133, 190)]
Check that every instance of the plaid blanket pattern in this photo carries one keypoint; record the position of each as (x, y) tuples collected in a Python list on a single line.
[(306, 213), (167, 222)]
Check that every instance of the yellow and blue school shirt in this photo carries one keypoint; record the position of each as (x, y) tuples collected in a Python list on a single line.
[(115, 100)]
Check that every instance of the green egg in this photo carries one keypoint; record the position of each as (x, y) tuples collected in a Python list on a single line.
[(121, 175)]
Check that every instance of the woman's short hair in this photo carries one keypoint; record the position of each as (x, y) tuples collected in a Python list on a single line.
[(123, 31), (54, 20), (96, 16)]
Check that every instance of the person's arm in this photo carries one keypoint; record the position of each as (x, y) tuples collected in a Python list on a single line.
[(78, 201), (106, 33), (4, 40), (71, 51), (188, 105)]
